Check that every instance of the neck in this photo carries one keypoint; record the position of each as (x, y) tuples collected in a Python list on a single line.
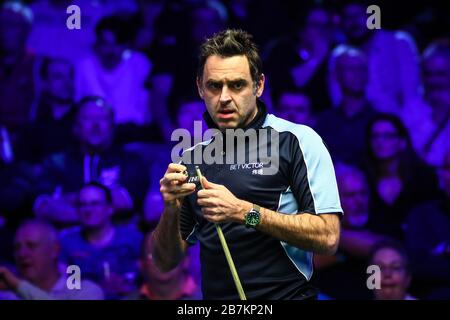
[(389, 167), (100, 236), (48, 280), (167, 290), (353, 104)]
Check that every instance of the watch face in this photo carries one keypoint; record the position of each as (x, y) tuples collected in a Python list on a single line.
[(252, 218)]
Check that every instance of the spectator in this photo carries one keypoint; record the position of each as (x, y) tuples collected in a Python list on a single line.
[(343, 128), (36, 252), (171, 80), (393, 262), (428, 240), (106, 253), (300, 61), (398, 179), (429, 121), (50, 34), (295, 107), (51, 132), (176, 284), (113, 70), (343, 276), (96, 159), (393, 61), (16, 67)]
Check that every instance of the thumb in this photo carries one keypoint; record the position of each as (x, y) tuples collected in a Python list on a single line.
[(209, 185)]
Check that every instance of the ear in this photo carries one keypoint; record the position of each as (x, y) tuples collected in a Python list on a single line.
[(200, 88), (260, 85)]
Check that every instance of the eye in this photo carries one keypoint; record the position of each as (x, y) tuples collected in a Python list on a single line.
[(214, 86), (238, 85)]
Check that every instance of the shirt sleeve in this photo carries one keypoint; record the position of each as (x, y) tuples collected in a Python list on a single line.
[(313, 179)]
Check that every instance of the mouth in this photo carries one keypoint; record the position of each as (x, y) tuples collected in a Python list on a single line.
[(25, 265), (225, 114)]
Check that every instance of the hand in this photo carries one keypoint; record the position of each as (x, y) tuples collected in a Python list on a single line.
[(173, 187), (220, 205), (8, 281)]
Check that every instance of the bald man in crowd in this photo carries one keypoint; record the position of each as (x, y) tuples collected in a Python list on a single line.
[(36, 252)]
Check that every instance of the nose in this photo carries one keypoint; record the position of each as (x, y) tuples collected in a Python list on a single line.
[(225, 95), (22, 252)]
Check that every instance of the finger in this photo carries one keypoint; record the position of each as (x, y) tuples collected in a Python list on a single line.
[(174, 177), (207, 202), (175, 167), (208, 184), (206, 193), (185, 187)]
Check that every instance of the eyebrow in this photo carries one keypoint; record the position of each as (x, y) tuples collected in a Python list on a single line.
[(233, 81)]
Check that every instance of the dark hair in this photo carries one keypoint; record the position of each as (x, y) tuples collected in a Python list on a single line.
[(229, 43), (395, 121), (393, 245), (105, 189), (120, 25), (408, 157), (98, 100), (47, 61)]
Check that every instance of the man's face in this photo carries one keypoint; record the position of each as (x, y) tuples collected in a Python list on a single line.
[(394, 276), (108, 50), (352, 74), (93, 207), (229, 92), (94, 127), (295, 107), (34, 252), (354, 20), (355, 200), (59, 82), (386, 142)]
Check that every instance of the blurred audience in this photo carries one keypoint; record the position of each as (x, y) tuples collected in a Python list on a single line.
[(51, 131), (347, 267), (50, 34), (304, 58), (106, 253), (393, 61), (17, 83), (398, 179), (96, 158), (343, 128), (176, 284), (115, 71), (36, 251), (428, 120), (428, 239), (296, 107)]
